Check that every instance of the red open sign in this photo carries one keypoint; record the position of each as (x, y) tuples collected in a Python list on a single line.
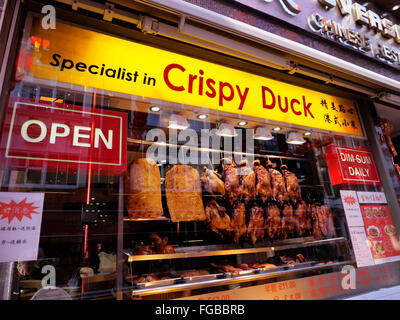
[(351, 165), (37, 135)]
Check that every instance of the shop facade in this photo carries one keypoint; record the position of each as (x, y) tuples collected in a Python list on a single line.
[(211, 150)]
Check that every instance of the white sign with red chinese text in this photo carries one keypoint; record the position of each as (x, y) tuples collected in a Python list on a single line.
[(371, 197), (355, 223), (20, 221), (351, 208)]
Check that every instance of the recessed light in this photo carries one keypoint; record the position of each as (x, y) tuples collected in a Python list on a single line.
[(202, 116), (307, 133), (277, 129), (242, 123), (155, 109), (396, 7)]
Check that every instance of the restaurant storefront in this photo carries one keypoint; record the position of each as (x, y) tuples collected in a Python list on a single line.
[(158, 150)]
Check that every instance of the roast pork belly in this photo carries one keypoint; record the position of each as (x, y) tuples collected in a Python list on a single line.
[(184, 194), (143, 189)]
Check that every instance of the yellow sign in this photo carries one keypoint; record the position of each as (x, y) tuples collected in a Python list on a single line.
[(92, 59)]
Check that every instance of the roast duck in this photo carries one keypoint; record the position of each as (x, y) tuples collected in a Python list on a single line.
[(279, 193), (231, 180), (212, 182), (263, 182), (238, 221), (291, 183), (255, 228), (217, 218), (247, 182), (257, 202)]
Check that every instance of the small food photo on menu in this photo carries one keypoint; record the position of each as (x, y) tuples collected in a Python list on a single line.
[(378, 247), (373, 231), (390, 229), (368, 212)]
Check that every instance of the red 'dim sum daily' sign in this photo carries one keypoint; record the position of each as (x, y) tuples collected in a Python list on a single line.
[(61, 135), (351, 165)]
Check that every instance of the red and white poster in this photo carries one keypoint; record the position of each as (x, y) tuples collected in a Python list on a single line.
[(60, 135), (20, 222), (381, 233), (351, 166)]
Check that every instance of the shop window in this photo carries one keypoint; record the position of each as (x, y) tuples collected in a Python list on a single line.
[(205, 196)]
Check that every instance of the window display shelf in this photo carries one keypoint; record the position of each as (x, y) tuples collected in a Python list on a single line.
[(162, 218), (228, 279), (191, 253)]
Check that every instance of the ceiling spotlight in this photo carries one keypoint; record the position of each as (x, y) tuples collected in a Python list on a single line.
[(178, 122), (277, 129), (396, 7), (155, 109), (294, 137), (307, 133), (263, 133), (226, 130), (242, 123), (202, 116)]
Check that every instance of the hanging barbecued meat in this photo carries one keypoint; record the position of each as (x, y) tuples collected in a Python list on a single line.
[(273, 221), (247, 182), (322, 221), (238, 221), (212, 182), (288, 223), (231, 180), (316, 231), (255, 229), (292, 184), (330, 225), (217, 218), (300, 215), (308, 223), (263, 182), (278, 184)]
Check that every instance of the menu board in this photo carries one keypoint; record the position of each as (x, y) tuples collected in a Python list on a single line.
[(381, 233), (371, 228), (361, 249)]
